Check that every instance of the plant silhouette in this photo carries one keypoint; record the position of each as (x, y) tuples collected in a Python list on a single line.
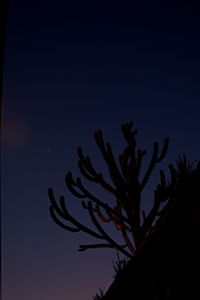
[(127, 187), (167, 265), (163, 245)]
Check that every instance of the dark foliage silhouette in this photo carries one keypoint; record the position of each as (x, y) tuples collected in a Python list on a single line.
[(168, 264), (163, 245), (127, 186)]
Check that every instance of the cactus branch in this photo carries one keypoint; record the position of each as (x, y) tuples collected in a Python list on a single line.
[(94, 246), (154, 160)]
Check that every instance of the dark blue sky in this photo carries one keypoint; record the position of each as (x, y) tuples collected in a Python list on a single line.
[(72, 67)]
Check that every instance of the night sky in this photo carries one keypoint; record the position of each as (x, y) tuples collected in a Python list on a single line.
[(70, 68)]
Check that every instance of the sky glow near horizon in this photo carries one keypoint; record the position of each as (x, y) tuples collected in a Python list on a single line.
[(70, 69)]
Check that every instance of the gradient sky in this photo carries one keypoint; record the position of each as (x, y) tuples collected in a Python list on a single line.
[(72, 67)]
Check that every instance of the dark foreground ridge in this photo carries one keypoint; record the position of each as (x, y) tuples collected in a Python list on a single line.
[(167, 265)]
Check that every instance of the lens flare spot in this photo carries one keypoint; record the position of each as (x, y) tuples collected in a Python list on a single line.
[(15, 134)]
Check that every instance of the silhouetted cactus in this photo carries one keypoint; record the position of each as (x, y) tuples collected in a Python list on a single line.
[(126, 188)]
